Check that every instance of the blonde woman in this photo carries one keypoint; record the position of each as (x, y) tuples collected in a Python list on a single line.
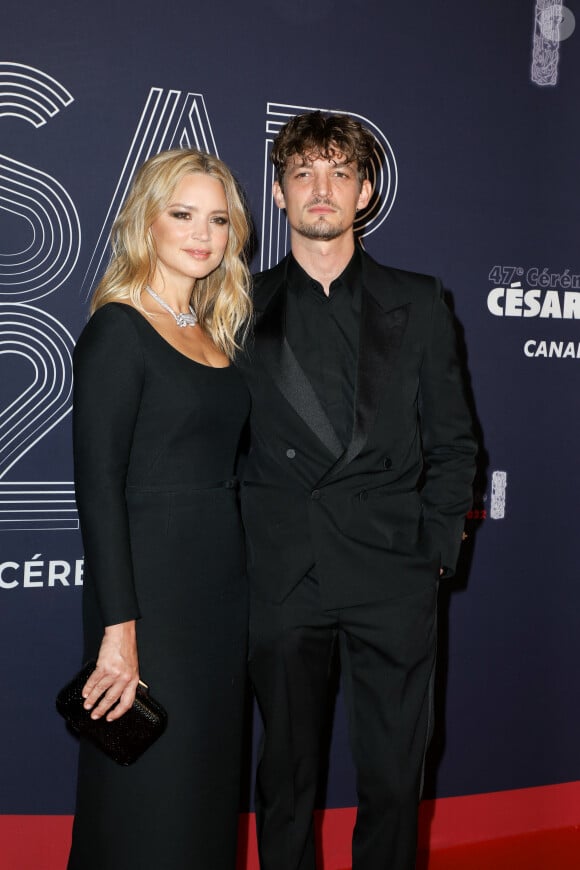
[(158, 412)]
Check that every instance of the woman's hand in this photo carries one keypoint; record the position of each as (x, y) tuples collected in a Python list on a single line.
[(116, 675)]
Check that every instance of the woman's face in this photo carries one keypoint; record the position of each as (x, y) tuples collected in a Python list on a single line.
[(191, 234)]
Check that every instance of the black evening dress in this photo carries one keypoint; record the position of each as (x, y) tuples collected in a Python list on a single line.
[(155, 440)]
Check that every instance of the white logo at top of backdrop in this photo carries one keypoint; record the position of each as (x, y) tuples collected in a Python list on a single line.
[(553, 23), (383, 176)]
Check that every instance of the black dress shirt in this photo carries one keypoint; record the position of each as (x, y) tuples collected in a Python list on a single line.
[(323, 332)]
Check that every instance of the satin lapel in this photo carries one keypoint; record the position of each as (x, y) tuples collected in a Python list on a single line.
[(278, 358), (380, 340)]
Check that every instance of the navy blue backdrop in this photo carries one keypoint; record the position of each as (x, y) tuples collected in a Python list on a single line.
[(474, 105)]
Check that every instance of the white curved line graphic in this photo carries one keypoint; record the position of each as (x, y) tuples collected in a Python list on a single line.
[(30, 94), (47, 345), (55, 248), (169, 119)]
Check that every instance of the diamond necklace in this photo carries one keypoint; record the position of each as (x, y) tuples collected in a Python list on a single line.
[(181, 319)]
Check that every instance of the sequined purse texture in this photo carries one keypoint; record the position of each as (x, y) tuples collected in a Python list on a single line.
[(123, 740)]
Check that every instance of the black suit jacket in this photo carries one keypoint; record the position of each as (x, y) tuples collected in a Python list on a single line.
[(378, 518)]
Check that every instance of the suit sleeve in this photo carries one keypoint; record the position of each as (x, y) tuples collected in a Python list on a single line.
[(108, 376), (448, 444)]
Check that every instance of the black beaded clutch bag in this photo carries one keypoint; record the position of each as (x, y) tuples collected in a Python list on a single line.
[(123, 740)]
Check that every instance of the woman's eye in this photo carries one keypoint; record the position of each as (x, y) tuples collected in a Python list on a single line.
[(180, 215), (220, 221)]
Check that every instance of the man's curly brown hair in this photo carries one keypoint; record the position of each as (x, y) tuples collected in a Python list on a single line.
[(330, 137)]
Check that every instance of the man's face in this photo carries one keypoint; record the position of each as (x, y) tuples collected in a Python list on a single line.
[(321, 197)]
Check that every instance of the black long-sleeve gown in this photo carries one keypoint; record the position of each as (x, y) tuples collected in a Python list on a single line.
[(155, 439)]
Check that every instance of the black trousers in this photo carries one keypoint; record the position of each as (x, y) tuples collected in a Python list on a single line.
[(387, 655)]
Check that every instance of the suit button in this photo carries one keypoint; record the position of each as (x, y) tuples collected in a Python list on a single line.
[(315, 494), (363, 495), (387, 463), (290, 453)]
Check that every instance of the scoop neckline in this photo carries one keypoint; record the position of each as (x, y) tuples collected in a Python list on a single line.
[(168, 343)]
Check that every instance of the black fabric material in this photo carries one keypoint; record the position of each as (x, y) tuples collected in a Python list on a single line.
[(345, 546), (357, 513), (323, 332), (387, 656), (155, 438)]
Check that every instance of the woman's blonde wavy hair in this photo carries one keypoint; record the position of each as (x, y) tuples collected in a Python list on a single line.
[(221, 300)]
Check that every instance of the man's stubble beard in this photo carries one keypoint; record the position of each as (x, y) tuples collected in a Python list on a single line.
[(320, 231)]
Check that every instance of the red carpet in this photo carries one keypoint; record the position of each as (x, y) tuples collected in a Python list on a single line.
[(46, 847), (546, 850), (526, 829)]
